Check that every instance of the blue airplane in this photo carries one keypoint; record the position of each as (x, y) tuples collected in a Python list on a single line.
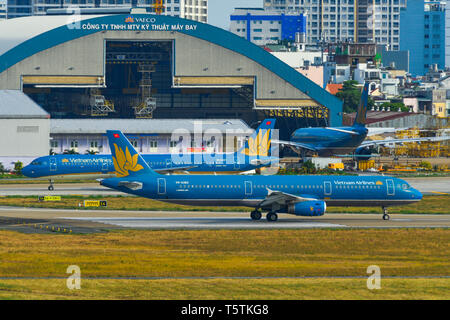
[(297, 195), (344, 141), (329, 141), (254, 154)]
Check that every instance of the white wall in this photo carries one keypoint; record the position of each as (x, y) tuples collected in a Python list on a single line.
[(24, 137)]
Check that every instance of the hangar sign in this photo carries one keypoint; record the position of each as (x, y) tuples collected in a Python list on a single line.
[(139, 24)]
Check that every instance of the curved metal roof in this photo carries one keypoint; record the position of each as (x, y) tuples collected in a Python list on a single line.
[(23, 37), (13, 32)]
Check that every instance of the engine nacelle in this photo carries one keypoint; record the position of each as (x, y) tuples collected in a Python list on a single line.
[(363, 153), (308, 208)]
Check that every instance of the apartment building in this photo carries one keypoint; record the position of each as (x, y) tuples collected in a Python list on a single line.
[(190, 9)]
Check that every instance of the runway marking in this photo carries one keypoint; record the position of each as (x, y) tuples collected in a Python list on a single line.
[(437, 192)]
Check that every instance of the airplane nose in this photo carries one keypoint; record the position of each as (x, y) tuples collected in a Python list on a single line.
[(417, 194), (27, 171)]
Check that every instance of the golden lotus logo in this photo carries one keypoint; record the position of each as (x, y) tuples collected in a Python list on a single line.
[(65, 160), (125, 162), (129, 20), (379, 183), (258, 146)]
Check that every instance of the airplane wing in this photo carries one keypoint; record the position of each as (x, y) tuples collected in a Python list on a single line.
[(132, 185), (395, 141), (295, 144), (341, 130), (176, 169), (282, 198)]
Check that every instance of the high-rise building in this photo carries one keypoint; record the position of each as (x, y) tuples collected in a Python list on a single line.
[(265, 26), (422, 33), (348, 20), (189, 9), (447, 34), (2, 9)]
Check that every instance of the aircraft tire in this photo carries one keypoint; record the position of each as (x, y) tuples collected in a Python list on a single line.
[(386, 217), (255, 215), (272, 217), (50, 188)]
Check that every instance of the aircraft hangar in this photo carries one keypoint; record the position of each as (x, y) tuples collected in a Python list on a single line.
[(154, 66)]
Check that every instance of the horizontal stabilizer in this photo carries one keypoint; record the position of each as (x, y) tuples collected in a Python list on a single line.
[(295, 145), (131, 185), (342, 130)]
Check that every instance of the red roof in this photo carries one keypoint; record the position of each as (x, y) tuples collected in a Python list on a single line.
[(334, 88)]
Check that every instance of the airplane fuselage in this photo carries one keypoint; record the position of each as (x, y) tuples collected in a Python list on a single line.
[(252, 190), (101, 166), (331, 141)]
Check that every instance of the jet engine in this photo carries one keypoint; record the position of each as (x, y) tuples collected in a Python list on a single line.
[(308, 208), (364, 153)]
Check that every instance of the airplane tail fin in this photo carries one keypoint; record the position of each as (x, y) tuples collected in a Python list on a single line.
[(127, 161), (258, 144), (361, 114)]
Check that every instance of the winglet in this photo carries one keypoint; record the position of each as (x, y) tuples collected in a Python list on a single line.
[(127, 161)]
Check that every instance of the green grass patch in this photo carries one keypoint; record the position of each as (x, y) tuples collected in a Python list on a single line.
[(228, 253)]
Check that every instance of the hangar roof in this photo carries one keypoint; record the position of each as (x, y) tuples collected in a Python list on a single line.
[(16, 31), (144, 126), (35, 34), (14, 104)]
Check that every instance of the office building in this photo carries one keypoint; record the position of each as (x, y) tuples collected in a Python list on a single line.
[(423, 35)]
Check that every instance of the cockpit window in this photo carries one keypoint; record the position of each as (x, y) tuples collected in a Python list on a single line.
[(406, 186), (36, 163)]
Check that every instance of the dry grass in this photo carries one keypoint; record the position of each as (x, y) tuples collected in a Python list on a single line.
[(429, 205), (227, 289), (228, 253)]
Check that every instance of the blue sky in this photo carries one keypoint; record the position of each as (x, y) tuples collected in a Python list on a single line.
[(220, 10)]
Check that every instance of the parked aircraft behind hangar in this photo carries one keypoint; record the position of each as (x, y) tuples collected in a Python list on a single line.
[(298, 195), (343, 141)]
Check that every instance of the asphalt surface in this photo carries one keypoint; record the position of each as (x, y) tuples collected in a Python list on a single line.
[(84, 221)]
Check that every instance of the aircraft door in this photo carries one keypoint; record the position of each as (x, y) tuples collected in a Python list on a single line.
[(53, 165), (161, 186), (248, 188), (327, 188), (390, 187), (104, 165)]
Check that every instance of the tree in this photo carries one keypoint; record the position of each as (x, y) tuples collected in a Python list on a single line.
[(308, 167), (70, 151), (2, 168), (18, 166), (350, 94)]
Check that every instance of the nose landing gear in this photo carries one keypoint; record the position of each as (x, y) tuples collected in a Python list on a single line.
[(50, 187), (385, 214)]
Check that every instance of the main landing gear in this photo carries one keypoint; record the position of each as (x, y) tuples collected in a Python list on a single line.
[(271, 216), (50, 187), (385, 214), (256, 215)]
